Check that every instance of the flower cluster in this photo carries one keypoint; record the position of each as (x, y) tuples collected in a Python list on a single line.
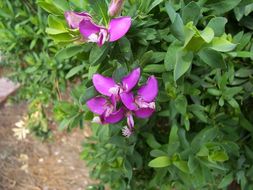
[(117, 100), (92, 32)]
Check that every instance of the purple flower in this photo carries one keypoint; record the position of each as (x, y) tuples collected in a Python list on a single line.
[(141, 105), (108, 87), (115, 7), (106, 109), (118, 27), (92, 32)]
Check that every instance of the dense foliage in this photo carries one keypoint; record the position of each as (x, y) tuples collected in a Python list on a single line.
[(200, 52)]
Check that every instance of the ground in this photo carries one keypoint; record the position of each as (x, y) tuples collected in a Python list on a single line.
[(31, 164)]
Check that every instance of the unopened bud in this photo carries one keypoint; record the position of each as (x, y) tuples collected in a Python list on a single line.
[(115, 7)]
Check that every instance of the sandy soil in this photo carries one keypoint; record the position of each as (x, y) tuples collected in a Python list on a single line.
[(34, 165)]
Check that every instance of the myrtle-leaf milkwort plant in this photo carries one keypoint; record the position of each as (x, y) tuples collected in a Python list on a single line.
[(179, 71)]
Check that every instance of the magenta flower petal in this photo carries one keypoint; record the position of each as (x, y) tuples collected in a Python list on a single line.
[(128, 100), (115, 117), (144, 112), (87, 28), (118, 27), (149, 91), (103, 84), (97, 105), (74, 18), (131, 80), (113, 101)]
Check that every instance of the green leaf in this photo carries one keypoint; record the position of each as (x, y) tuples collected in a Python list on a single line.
[(100, 9), (68, 52), (174, 142), (92, 71), (192, 164), (89, 93), (226, 181), (207, 34), (154, 68), (219, 156), (191, 12), (53, 31), (152, 142), (160, 162), (182, 165), (177, 28), (154, 4), (244, 123), (119, 73), (189, 34), (157, 153), (98, 54), (241, 54), (82, 5), (218, 25), (128, 169), (146, 58), (171, 57), (56, 23), (49, 7), (182, 137), (181, 104), (221, 6), (125, 48), (62, 37), (204, 136), (171, 12), (62, 5), (203, 152), (243, 42), (212, 58), (214, 92), (212, 165), (182, 65), (222, 44), (151, 57), (74, 71), (173, 139)]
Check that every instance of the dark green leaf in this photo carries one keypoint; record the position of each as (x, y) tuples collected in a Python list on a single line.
[(154, 68), (171, 57), (226, 181), (68, 52), (182, 65), (191, 12), (74, 71), (212, 58), (98, 54), (218, 25), (177, 28)]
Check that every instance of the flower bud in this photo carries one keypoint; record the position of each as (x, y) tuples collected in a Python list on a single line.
[(115, 7)]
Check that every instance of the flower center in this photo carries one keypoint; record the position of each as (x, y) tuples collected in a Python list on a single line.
[(143, 104), (116, 90), (109, 108), (100, 37)]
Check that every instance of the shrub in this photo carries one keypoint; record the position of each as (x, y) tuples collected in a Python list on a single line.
[(200, 52)]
